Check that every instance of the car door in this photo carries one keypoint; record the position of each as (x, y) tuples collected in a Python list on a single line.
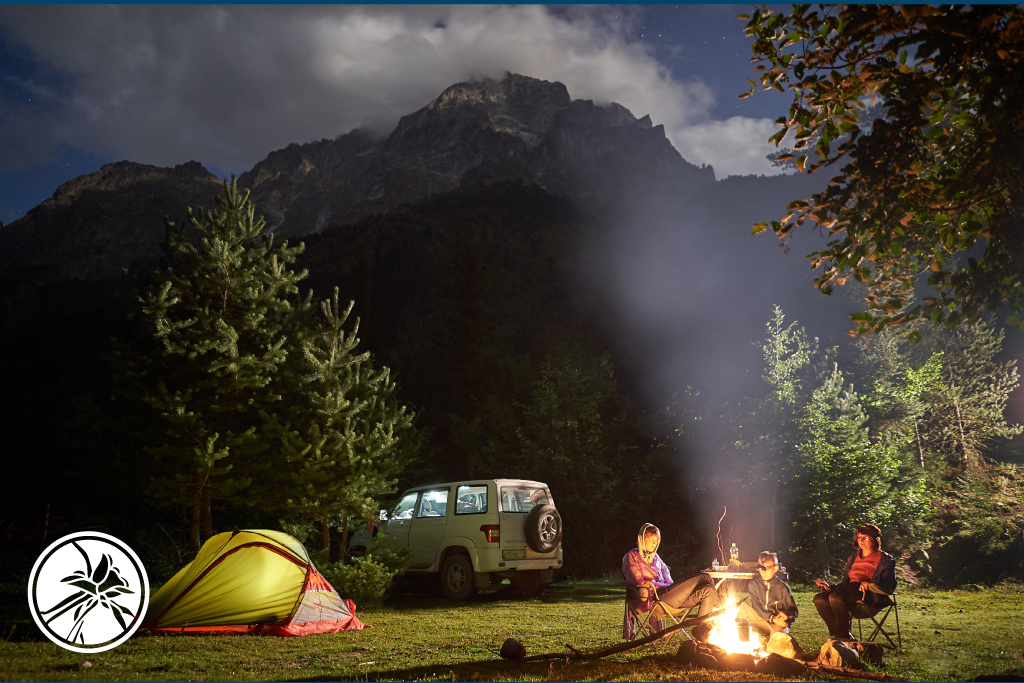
[(400, 519), (428, 527)]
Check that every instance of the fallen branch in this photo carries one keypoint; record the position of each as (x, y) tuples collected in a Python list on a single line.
[(629, 645), (849, 673)]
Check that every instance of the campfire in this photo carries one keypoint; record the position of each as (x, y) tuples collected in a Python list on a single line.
[(735, 635)]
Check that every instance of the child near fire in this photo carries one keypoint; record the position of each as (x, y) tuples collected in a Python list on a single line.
[(771, 608), (643, 570)]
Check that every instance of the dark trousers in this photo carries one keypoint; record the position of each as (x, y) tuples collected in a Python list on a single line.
[(834, 606), (682, 595)]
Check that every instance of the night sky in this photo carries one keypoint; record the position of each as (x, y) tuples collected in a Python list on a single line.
[(85, 85)]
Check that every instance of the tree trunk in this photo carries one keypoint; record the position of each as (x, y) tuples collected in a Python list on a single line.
[(960, 424), (194, 521), (207, 519), (344, 536), (920, 450), (325, 533)]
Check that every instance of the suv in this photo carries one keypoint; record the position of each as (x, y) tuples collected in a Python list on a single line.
[(475, 533)]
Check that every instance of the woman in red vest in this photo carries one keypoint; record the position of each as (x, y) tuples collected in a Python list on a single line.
[(868, 565)]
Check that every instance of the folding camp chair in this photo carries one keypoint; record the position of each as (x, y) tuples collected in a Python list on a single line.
[(637, 624), (862, 611)]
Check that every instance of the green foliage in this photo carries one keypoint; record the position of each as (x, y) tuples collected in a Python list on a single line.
[(570, 438), (222, 314), (844, 478), (786, 352), (263, 400), (343, 438), (933, 177), (980, 539), (364, 581), (898, 401), (966, 414)]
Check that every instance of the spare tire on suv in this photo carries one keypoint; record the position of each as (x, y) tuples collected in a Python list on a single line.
[(543, 528)]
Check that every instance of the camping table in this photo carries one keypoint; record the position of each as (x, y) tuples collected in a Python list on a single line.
[(721, 575)]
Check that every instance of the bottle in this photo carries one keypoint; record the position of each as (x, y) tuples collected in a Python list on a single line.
[(734, 553), (714, 565)]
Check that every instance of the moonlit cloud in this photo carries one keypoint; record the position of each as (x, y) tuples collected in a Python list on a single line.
[(226, 85), (736, 146)]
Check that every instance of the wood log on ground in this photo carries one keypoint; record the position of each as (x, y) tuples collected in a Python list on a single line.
[(850, 673), (628, 645), (779, 665)]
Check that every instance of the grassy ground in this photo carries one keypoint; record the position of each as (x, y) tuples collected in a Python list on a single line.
[(947, 636)]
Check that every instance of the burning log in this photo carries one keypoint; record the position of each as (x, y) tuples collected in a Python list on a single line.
[(511, 651), (709, 656)]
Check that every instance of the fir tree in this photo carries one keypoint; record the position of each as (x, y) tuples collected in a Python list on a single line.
[(845, 477), (787, 355), (222, 313), (344, 438)]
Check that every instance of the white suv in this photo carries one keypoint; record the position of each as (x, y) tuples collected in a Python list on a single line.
[(475, 533)]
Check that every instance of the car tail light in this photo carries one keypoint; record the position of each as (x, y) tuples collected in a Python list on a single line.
[(491, 532)]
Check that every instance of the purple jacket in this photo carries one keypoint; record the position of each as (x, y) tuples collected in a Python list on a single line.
[(636, 572)]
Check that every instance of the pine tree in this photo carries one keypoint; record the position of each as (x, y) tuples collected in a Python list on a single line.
[(967, 412), (222, 313), (571, 438), (845, 478), (344, 437), (787, 356)]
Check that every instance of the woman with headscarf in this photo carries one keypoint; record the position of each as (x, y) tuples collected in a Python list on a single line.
[(868, 565), (643, 569)]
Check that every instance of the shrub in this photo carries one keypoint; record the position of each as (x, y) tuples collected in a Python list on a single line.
[(365, 580)]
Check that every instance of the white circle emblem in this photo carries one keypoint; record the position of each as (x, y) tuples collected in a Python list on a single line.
[(88, 592)]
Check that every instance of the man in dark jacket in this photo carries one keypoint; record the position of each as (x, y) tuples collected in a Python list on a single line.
[(771, 608)]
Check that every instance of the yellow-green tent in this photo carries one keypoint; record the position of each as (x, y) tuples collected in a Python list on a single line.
[(252, 581)]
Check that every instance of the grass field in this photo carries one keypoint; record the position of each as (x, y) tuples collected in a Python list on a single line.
[(947, 636)]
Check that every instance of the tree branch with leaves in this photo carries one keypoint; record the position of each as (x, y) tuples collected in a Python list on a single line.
[(932, 191)]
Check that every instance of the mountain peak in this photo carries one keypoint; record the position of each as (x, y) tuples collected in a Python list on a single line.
[(513, 93)]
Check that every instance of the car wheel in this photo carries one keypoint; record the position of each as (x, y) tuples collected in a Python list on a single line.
[(527, 582), (457, 577), (543, 528)]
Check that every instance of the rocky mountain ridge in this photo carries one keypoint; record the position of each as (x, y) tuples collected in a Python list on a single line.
[(519, 129)]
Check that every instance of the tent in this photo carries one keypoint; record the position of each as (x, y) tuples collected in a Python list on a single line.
[(252, 581)]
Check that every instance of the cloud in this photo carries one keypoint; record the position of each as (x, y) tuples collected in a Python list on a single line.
[(736, 146), (225, 85)]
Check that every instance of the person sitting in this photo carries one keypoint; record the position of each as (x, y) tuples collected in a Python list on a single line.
[(644, 569), (771, 608), (868, 565)]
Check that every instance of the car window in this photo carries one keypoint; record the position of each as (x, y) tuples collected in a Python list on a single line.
[(471, 500), (522, 498), (433, 503), (404, 508)]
